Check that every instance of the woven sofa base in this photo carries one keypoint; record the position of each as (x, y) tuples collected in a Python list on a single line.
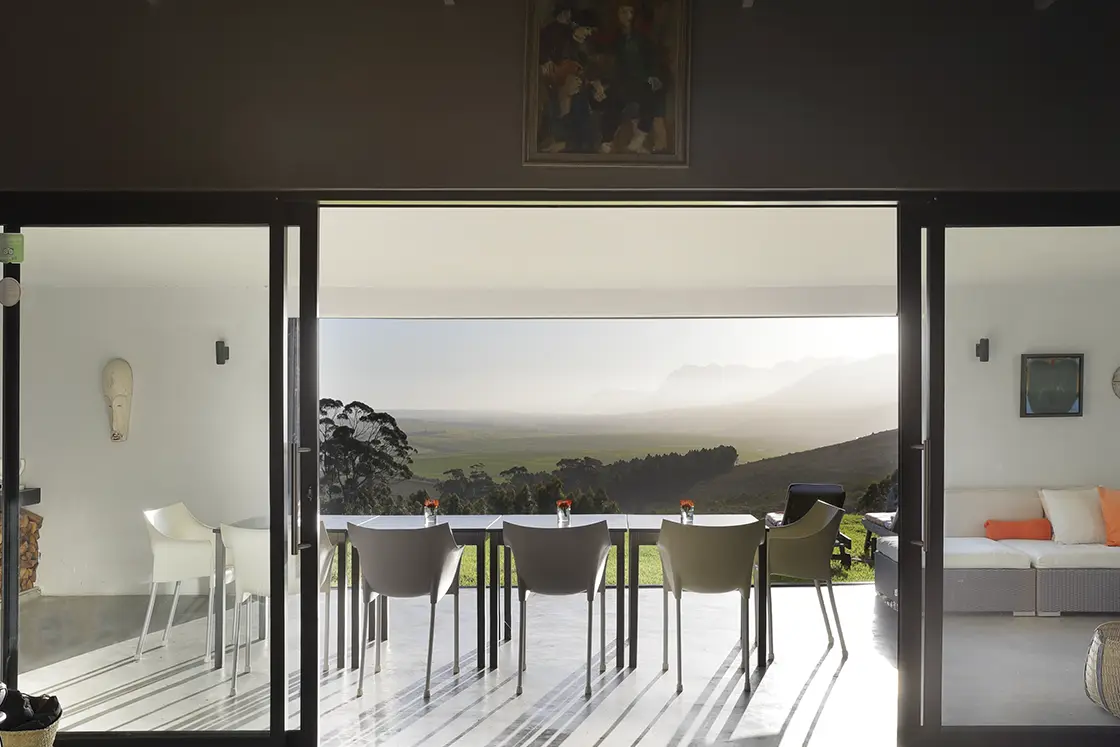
[(1078, 590), (970, 589)]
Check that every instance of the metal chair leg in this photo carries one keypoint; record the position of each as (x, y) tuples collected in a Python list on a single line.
[(363, 642), (680, 686), (147, 622), (590, 625), (250, 605), (455, 669), (664, 629), (209, 655), (525, 637), (746, 634), (327, 633), (603, 629), (836, 614), (770, 617), (236, 644), (171, 614), (431, 641), (824, 614), (378, 615), (521, 647)]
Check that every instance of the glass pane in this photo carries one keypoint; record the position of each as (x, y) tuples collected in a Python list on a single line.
[(143, 440), (1028, 579)]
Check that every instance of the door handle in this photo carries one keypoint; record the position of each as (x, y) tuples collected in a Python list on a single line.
[(293, 499)]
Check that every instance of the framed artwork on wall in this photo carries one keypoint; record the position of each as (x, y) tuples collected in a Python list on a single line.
[(607, 82), (1052, 385)]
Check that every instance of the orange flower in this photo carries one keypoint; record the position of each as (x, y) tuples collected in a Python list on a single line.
[(431, 503), (686, 503), (564, 504)]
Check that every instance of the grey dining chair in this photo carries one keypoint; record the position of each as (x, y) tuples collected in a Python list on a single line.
[(406, 563), (803, 550), (707, 560), (561, 561)]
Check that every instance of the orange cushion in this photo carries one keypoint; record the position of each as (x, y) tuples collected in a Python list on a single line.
[(1031, 529), (1110, 507)]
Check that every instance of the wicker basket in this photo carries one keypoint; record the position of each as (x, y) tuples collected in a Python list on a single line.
[(32, 737), (1102, 668)]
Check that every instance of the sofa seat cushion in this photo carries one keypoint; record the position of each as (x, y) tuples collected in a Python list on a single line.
[(969, 552), (1051, 555), (884, 519)]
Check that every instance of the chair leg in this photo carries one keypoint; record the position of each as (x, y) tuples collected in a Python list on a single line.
[(250, 605), (171, 615), (210, 621), (327, 633), (364, 644), (770, 617), (603, 629), (236, 644), (824, 614), (521, 647), (378, 613), (147, 622), (431, 641), (680, 686), (746, 634), (836, 615), (664, 629), (590, 625), (524, 637), (455, 669), (743, 630)]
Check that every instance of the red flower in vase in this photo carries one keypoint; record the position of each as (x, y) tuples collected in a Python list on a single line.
[(564, 504), (686, 503), (432, 503)]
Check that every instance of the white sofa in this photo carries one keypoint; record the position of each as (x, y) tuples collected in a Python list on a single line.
[(1020, 576)]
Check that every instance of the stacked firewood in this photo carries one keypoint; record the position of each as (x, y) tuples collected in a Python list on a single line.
[(29, 525)]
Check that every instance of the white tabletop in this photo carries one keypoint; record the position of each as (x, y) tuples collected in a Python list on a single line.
[(338, 522), (465, 523), (615, 522), (652, 522)]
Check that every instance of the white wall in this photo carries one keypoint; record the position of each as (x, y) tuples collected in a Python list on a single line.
[(987, 443), (199, 431)]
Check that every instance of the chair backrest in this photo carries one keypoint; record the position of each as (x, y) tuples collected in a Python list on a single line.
[(804, 549), (709, 560), (249, 549), (177, 522), (559, 560), (407, 562), (326, 558), (800, 497)]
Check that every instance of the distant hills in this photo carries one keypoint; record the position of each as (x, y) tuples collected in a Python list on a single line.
[(761, 486)]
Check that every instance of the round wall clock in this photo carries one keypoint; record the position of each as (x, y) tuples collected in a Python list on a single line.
[(1116, 382)]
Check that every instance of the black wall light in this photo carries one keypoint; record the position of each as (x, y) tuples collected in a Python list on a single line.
[(982, 350), (221, 352)]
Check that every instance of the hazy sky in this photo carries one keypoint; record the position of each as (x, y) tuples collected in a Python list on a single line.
[(558, 365)]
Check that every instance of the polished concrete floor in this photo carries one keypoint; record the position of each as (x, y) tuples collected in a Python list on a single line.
[(998, 669)]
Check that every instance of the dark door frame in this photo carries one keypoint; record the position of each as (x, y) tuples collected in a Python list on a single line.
[(921, 590), (21, 211)]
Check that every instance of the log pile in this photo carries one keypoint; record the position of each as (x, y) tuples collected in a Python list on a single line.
[(29, 525)]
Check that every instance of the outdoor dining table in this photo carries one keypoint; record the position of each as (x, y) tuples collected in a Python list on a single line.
[(645, 529), (616, 526)]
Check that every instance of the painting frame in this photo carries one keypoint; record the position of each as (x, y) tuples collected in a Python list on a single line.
[(536, 12), (1026, 410)]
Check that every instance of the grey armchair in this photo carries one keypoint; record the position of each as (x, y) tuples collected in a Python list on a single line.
[(560, 562), (405, 563), (803, 550)]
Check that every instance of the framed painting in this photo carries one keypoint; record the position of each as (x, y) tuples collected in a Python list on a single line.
[(1052, 385), (607, 82)]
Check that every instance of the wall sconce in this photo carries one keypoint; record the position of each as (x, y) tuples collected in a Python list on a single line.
[(221, 352), (982, 350)]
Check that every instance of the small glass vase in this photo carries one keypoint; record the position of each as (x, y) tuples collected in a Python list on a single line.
[(430, 516), (564, 515), (687, 514)]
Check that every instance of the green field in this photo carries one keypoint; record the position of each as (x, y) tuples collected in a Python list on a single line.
[(649, 565)]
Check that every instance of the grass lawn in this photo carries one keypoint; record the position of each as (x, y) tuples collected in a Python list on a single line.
[(649, 565)]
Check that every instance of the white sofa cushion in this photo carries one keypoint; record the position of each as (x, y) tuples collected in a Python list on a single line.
[(966, 509), (969, 552), (1075, 515), (1048, 555)]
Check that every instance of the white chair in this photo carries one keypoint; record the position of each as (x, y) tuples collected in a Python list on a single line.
[(803, 550), (559, 561), (405, 563), (182, 550), (326, 567), (707, 560)]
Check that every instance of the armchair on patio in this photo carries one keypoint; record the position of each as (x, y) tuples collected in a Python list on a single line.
[(803, 550), (800, 497), (707, 560), (561, 562), (182, 550), (406, 563)]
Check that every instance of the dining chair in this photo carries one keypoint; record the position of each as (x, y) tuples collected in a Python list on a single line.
[(803, 550), (561, 561), (182, 550), (404, 563), (707, 560), (326, 571)]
